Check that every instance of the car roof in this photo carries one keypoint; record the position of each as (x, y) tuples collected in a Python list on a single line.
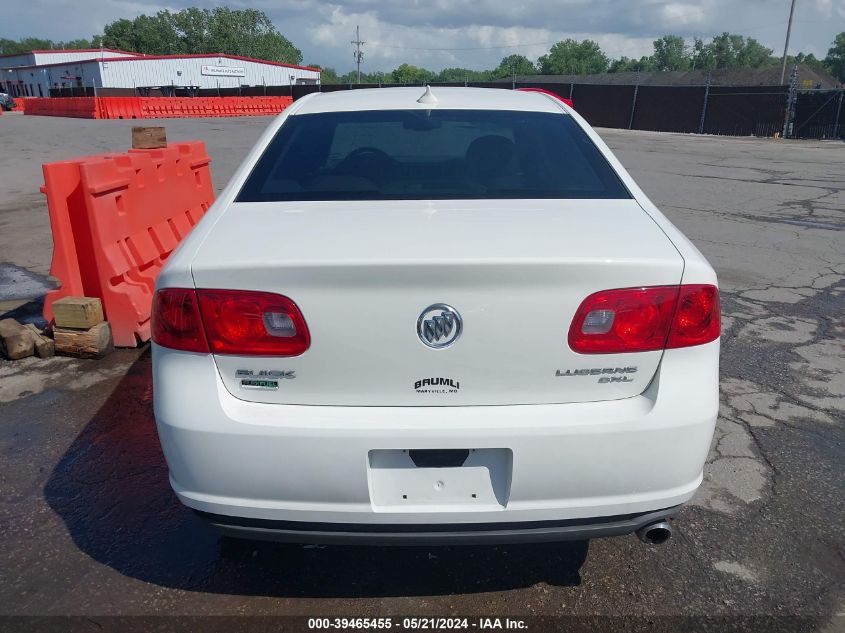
[(446, 98)]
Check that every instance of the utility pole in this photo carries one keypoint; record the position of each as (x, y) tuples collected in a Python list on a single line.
[(634, 102), (790, 103), (786, 44), (358, 54), (704, 106)]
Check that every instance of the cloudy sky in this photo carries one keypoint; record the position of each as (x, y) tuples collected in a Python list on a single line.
[(467, 33)]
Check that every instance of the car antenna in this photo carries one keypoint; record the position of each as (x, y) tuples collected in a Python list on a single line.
[(427, 97)]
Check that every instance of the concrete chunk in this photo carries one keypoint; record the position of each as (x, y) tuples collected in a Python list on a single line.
[(15, 340), (45, 347)]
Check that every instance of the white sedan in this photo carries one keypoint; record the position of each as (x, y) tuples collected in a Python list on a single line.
[(441, 316)]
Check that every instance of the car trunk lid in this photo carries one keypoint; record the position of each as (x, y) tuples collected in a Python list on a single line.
[(363, 273)]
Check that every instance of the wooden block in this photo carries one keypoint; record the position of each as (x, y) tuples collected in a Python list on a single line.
[(148, 138), (15, 340), (95, 342), (45, 347), (77, 312)]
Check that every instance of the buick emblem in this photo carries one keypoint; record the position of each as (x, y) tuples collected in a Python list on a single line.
[(439, 325)]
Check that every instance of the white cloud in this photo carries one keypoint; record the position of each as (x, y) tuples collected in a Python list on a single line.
[(393, 29), (683, 15), (472, 46)]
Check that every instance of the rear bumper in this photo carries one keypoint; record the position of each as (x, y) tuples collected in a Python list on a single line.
[(460, 534), (589, 468)]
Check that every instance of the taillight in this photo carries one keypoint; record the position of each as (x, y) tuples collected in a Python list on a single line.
[(697, 317), (228, 322), (625, 320), (176, 320), (645, 319), (250, 323)]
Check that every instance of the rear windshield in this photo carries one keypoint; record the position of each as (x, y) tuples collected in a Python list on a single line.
[(430, 154)]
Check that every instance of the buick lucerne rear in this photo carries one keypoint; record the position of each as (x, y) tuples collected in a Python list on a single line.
[(438, 317)]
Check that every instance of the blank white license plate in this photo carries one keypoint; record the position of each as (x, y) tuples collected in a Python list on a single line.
[(481, 483)]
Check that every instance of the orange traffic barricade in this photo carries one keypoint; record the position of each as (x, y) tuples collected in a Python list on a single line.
[(115, 219)]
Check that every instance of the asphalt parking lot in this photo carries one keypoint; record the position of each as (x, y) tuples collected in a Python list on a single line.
[(90, 526)]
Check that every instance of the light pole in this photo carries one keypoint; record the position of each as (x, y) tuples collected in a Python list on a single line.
[(786, 44)]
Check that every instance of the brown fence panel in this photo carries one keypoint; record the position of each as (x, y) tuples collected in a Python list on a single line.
[(745, 111), (75, 91), (668, 108), (739, 111), (604, 106), (819, 114), (279, 91), (297, 92)]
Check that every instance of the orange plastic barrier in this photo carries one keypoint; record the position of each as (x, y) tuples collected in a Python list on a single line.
[(173, 107), (154, 107), (76, 107), (115, 219), (19, 103), (72, 246), (119, 107), (32, 106)]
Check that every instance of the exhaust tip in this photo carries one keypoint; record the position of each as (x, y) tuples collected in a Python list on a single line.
[(655, 533)]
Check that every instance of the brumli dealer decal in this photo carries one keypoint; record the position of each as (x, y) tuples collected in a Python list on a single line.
[(437, 385)]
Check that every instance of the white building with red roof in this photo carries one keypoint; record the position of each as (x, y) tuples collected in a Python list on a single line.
[(33, 74)]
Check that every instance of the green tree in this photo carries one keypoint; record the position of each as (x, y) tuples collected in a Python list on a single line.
[(835, 60), (35, 44), (246, 32), (460, 75), (25, 44), (327, 75), (731, 51), (366, 78), (569, 57), (8, 47), (157, 34), (723, 50), (119, 34), (80, 43), (514, 65), (193, 26), (751, 53), (809, 60), (249, 32), (408, 74), (628, 65), (702, 54), (670, 53)]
